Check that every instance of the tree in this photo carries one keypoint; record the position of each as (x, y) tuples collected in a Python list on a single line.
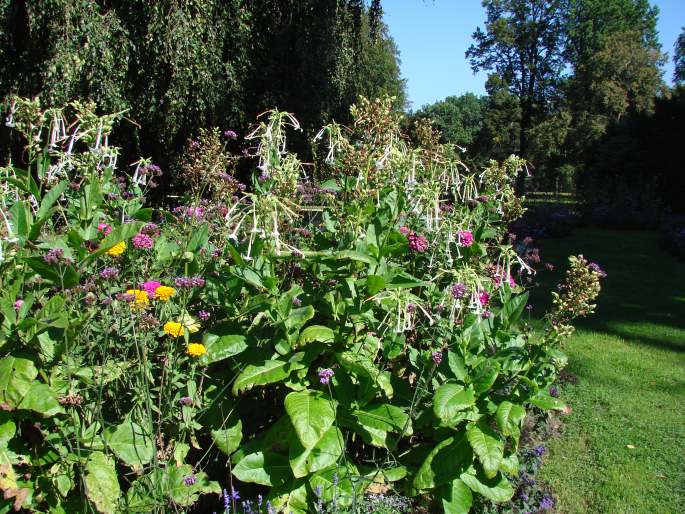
[(459, 118), (522, 43), (679, 58)]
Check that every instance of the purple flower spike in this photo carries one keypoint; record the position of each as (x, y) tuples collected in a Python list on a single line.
[(325, 375)]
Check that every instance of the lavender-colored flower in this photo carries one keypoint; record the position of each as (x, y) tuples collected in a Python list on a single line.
[(547, 503), (197, 281), (109, 273), (247, 507), (540, 450), (593, 266), (106, 301), (235, 495), (189, 480), (417, 242), (297, 302), (437, 357), (188, 282), (143, 241), (185, 401), (203, 315), (554, 392), (18, 304), (54, 256), (325, 375), (259, 501), (405, 231), (227, 502), (335, 480), (524, 496), (269, 508), (459, 290), (230, 134), (527, 240)]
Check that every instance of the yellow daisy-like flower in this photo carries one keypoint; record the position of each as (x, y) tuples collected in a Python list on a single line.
[(141, 301), (164, 293), (196, 349), (117, 249), (173, 328)]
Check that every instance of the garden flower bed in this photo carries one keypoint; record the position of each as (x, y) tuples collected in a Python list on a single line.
[(299, 344)]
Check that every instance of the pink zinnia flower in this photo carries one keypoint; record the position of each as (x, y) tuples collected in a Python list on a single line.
[(417, 242), (104, 228), (465, 237), (483, 298), (150, 286), (143, 241)]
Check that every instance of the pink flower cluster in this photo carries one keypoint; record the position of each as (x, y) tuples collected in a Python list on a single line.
[(483, 298), (104, 228), (417, 242), (143, 241), (464, 238)]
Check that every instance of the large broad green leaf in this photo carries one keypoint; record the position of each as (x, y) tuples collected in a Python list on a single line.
[(42, 399), (323, 454), (449, 400), (487, 446), (497, 489), (510, 464), (315, 333), (445, 462), (101, 483), (363, 367), (456, 365), (485, 376), (130, 443), (509, 417), (457, 498), (67, 277), (228, 439), (268, 372), (337, 483), (220, 347), (546, 402), (16, 377), (374, 283), (263, 467), (374, 422), (312, 413), (512, 310), (291, 497)]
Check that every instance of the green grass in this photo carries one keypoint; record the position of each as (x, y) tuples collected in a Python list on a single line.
[(630, 362)]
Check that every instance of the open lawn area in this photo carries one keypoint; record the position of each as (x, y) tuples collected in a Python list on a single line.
[(622, 448)]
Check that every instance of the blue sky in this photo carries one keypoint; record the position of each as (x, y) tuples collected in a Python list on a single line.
[(433, 35)]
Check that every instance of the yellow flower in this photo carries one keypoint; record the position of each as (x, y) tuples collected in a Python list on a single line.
[(173, 328), (164, 293), (196, 349), (142, 299), (117, 249)]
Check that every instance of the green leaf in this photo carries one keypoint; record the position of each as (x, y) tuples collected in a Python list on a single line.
[(449, 400), (374, 422), (365, 368), (69, 277), (487, 446), (315, 333), (199, 238), (228, 439), (486, 375), (312, 413), (324, 453), (509, 417), (510, 464), (497, 489), (337, 482), (444, 463), (546, 402), (264, 468), (456, 365), (119, 234), (22, 219), (268, 372), (42, 399), (512, 310), (457, 498), (374, 283), (16, 377), (187, 495), (130, 443), (221, 346), (45, 208), (101, 483)]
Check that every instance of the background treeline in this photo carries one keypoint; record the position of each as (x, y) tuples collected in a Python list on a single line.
[(576, 87), (179, 65)]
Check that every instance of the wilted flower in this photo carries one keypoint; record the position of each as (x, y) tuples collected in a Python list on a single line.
[(125, 297), (143, 241), (405, 231), (297, 302), (185, 401), (117, 249), (486, 314), (196, 349), (465, 238), (554, 392), (325, 375), (54, 256)]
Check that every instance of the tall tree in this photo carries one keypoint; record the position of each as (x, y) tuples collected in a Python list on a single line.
[(522, 43), (679, 58)]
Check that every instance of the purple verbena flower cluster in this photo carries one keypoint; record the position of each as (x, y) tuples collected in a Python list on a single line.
[(189, 282)]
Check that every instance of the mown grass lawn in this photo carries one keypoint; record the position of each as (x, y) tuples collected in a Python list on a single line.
[(629, 359)]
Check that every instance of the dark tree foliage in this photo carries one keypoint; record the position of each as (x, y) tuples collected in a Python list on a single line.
[(177, 66), (679, 58), (458, 118)]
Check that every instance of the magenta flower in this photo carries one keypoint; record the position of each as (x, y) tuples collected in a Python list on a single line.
[(417, 242), (150, 286), (18, 304), (203, 315), (483, 298), (143, 241), (437, 357), (104, 228), (465, 238), (325, 375), (405, 231), (486, 314), (512, 282)]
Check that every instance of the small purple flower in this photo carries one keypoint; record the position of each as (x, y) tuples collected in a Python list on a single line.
[(151, 229), (554, 392), (230, 134), (540, 450), (54, 256), (297, 302), (465, 238), (203, 315), (227, 501), (18, 304), (486, 314), (459, 290), (189, 480), (189, 282), (235, 495), (109, 273), (143, 241), (437, 357), (185, 401), (417, 242), (547, 503), (593, 266), (106, 301), (325, 375), (259, 501)]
